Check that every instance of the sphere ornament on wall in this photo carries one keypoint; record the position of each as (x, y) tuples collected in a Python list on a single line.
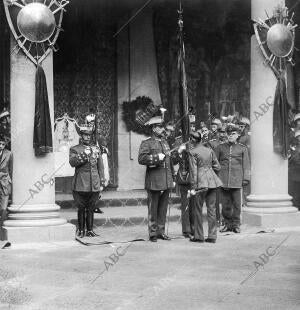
[(35, 24), (276, 38)]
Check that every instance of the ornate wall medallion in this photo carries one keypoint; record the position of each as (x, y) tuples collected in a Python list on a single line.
[(276, 38), (35, 24)]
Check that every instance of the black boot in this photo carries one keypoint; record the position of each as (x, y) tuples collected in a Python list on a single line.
[(81, 222), (90, 223)]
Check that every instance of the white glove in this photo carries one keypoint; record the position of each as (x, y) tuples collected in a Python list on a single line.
[(161, 156), (181, 148), (193, 192)]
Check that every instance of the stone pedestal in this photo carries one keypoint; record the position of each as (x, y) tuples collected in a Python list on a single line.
[(33, 215), (269, 204)]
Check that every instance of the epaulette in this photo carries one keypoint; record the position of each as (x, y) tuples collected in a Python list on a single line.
[(147, 139), (212, 140), (242, 144)]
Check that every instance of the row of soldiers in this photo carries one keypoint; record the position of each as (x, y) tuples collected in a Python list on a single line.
[(212, 163)]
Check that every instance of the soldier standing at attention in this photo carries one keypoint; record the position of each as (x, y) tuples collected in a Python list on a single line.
[(154, 153), (6, 166), (88, 180), (244, 126), (294, 171), (235, 173), (222, 137)]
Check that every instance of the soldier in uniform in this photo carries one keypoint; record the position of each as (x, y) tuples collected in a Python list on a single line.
[(88, 180), (244, 138), (203, 164), (235, 173), (205, 135), (183, 181), (222, 137), (214, 129), (6, 166), (154, 153), (294, 171), (244, 126), (296, 122)]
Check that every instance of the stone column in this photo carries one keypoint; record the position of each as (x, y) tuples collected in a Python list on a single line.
[(33, 214), (269, 204)]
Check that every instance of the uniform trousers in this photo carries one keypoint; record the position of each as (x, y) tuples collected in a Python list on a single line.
[(157, 211), (3, 207), (231, 207), (209, 197), (85, 202), (187, 210)]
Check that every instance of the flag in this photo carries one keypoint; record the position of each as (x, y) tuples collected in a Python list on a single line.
[(182, 82)]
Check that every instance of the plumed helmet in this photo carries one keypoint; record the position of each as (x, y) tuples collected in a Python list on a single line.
[(154, 121), (85, 130)]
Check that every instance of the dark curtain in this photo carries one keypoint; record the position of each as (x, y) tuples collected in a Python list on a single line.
[(42, 138), (4, 61), (280, 120), (217, 41)]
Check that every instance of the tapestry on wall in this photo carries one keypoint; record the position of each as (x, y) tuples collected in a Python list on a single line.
[(85, 73), (217, 47)]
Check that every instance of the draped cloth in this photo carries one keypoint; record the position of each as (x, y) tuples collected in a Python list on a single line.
[(280, 119), (42, 136)]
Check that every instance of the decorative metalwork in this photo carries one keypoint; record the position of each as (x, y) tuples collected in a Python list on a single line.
[(276, 38), (35, 24)]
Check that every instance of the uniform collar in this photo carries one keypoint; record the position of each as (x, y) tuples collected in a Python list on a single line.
[(232, 143)]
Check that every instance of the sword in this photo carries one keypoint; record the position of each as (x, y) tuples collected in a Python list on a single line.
[(200, 190)]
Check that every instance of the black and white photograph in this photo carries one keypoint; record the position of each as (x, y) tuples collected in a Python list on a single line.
[(149, 154)]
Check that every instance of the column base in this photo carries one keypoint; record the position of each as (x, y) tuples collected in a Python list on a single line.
[(277, 220), (271, 211), (33, 216), (65, 232)]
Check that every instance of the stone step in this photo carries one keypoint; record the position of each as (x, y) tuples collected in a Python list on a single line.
[(114, 199)]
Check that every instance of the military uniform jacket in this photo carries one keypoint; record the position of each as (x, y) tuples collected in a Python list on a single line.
[(89, 172), (159, 174), (203, 164), (294, 164), (235, 164), (5, 172), (213, 143)]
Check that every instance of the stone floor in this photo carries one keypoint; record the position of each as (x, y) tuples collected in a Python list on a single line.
[(250, 270)]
